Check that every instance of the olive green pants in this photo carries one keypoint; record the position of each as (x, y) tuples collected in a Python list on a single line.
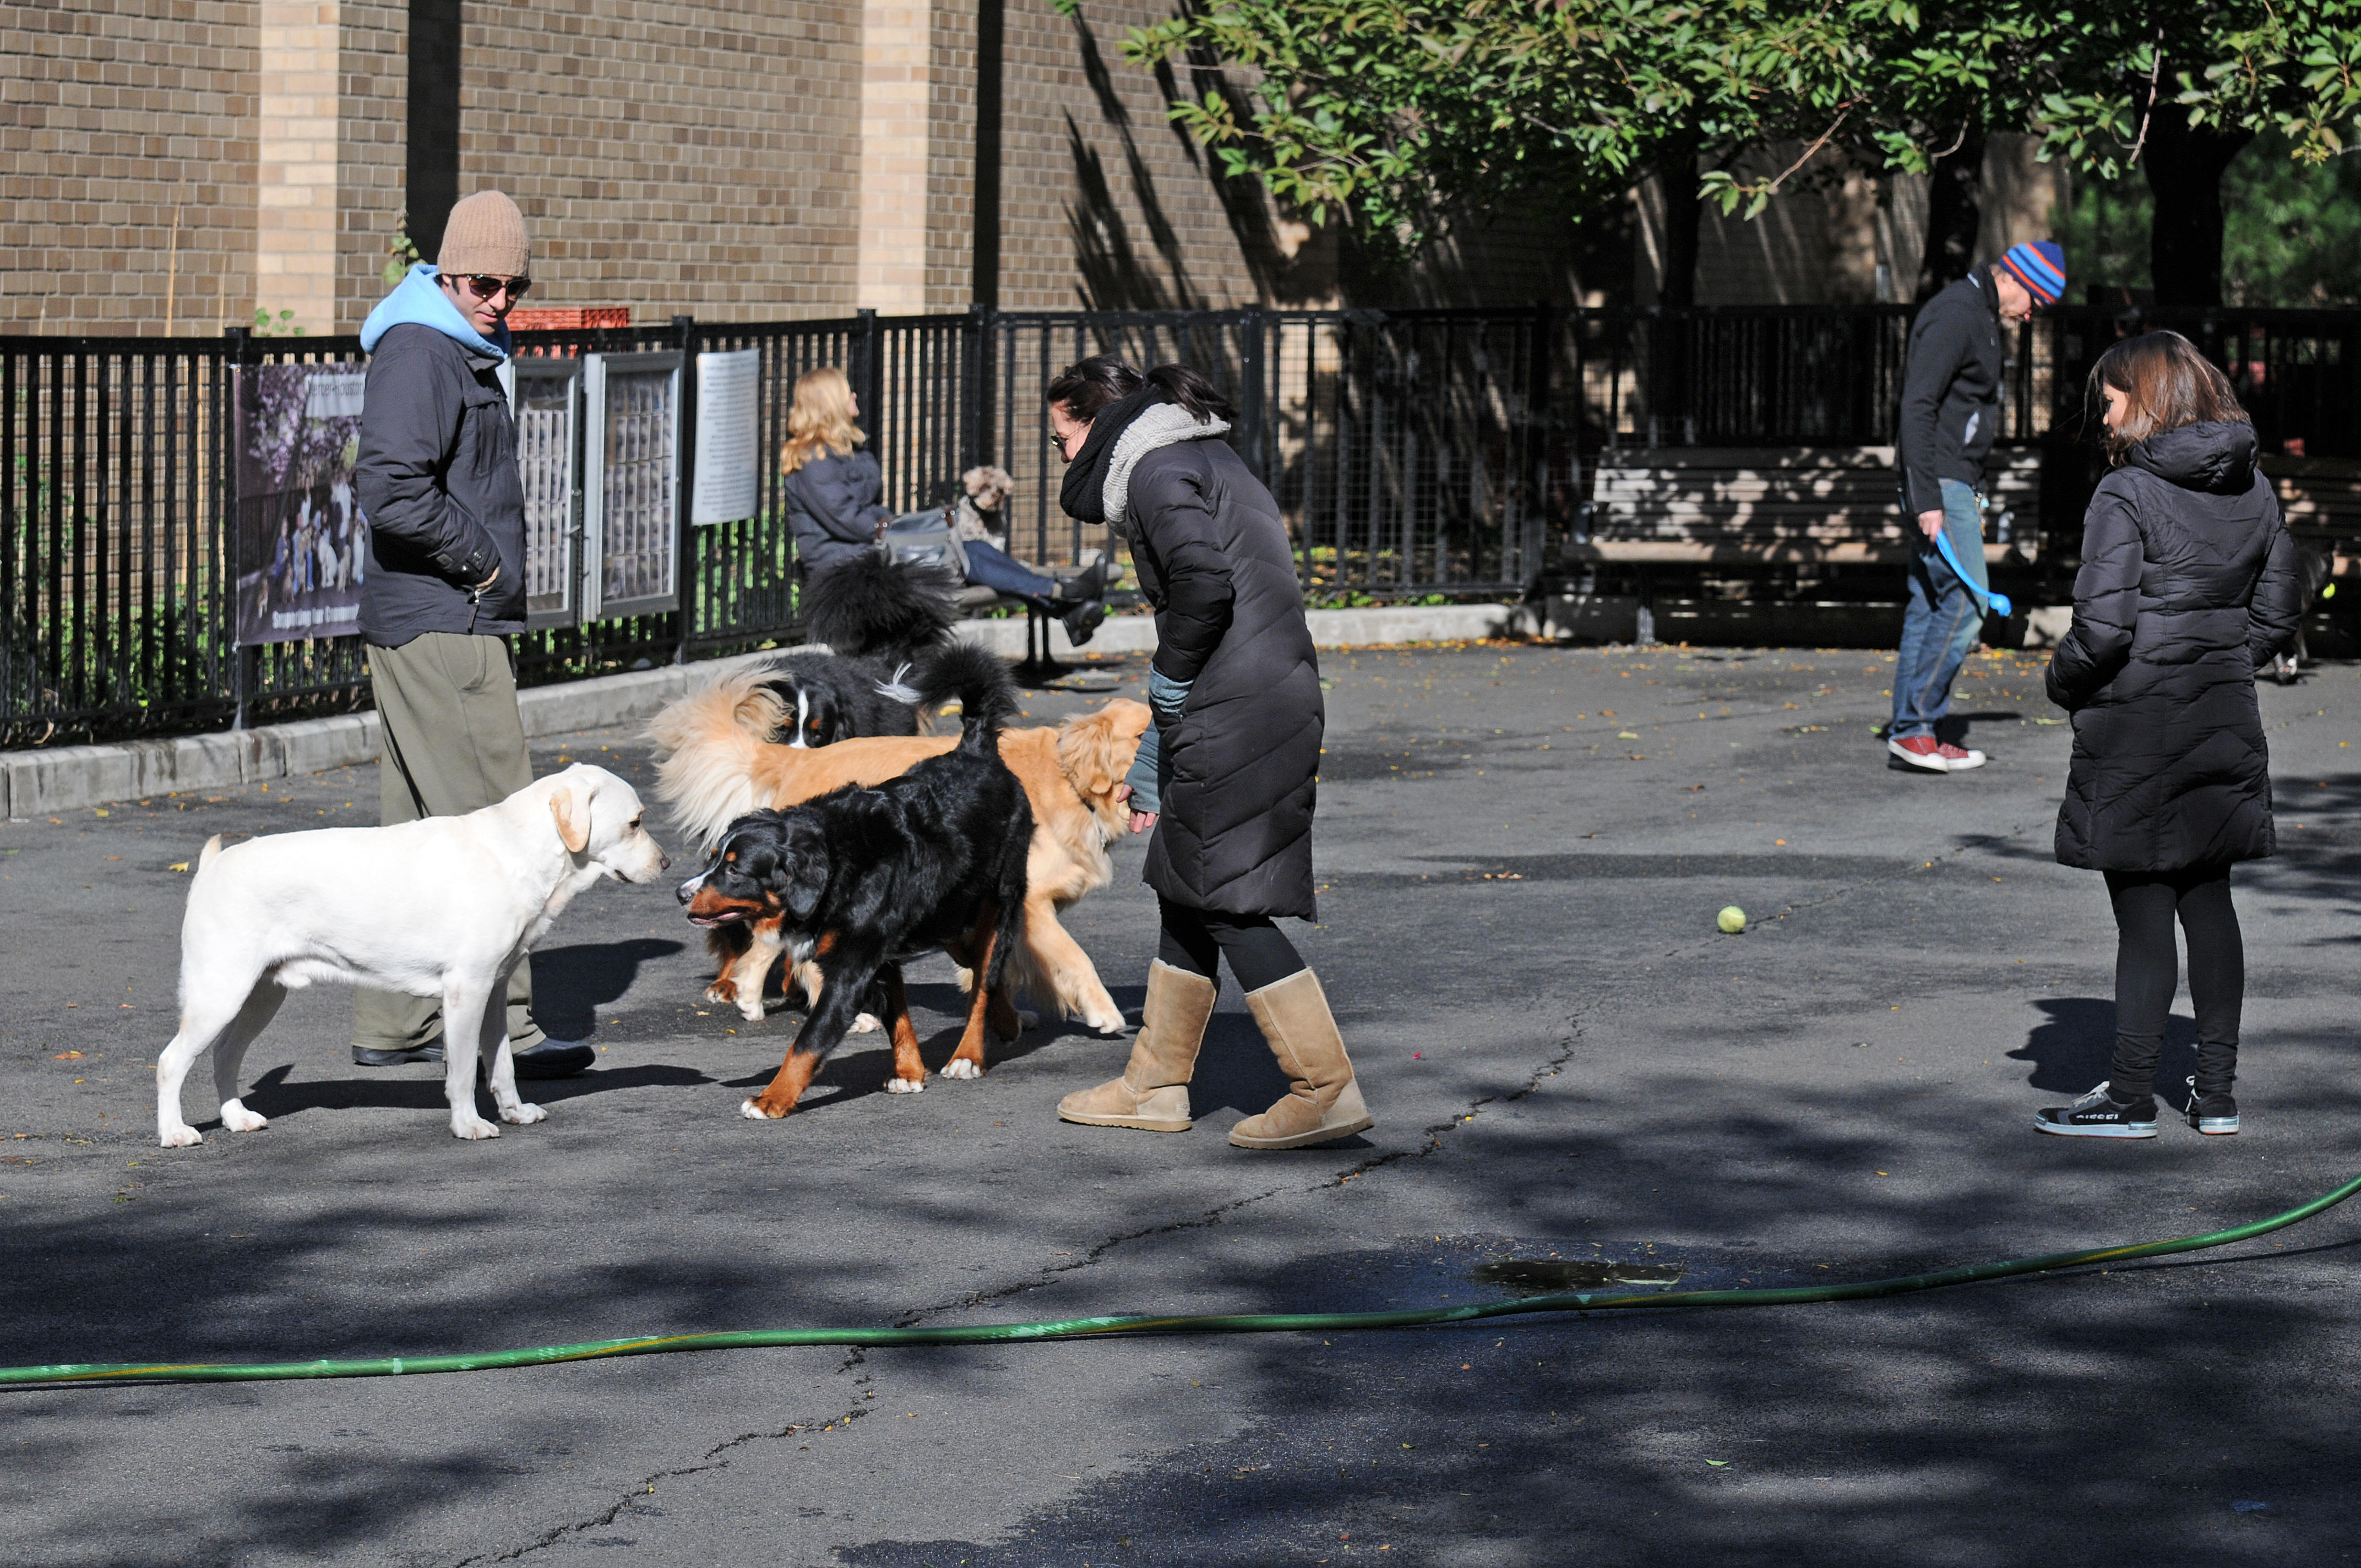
[(450, 742)]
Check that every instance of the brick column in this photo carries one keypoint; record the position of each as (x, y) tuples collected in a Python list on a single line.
[(892, 274), (295, 164)]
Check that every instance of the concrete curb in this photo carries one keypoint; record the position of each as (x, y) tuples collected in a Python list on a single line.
[(69, 777)]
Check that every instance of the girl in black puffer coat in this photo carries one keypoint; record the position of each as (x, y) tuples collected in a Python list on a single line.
[(1225, 778), (2188, 582)]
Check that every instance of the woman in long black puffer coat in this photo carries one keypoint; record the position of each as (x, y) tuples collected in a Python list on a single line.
[(1225, 778), (2188, 583)]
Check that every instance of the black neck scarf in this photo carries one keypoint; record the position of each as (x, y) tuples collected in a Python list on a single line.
[(1083, 494)]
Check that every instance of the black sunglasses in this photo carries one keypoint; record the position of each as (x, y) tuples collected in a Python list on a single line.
[(484, 286)]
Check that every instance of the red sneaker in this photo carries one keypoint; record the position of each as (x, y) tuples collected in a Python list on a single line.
[(1920, 752), (1959, 760)]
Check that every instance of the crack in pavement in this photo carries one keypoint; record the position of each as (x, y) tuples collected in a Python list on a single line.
[(712, 1459)]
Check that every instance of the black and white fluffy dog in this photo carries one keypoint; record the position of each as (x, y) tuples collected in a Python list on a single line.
[(892, 656), (862, 879)]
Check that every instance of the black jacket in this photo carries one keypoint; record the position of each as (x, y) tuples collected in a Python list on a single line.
[(1950, 392), (437, 479), (2188, 582), (1237, 767), (832, 505)]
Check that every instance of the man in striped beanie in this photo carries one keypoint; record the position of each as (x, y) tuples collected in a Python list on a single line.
[(1950, 416)]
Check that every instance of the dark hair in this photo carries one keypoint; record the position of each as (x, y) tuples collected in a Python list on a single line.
[(2167, 384), (1089, 385)]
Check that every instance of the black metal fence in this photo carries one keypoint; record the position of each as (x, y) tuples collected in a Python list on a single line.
[(1415, 453)]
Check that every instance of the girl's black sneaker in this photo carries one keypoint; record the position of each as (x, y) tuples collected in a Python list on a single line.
[(2212, 1114), (2099, 1115)]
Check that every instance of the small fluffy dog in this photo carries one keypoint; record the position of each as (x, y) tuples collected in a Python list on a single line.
[(720, 765), (443, 907), (862, 879), (979, 515), (2313, 567)]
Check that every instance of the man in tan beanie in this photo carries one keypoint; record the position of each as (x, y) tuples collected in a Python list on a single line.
[(437, 477)]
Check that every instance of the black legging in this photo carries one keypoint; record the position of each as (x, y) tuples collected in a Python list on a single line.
[(1197, 939), (2147, 970)]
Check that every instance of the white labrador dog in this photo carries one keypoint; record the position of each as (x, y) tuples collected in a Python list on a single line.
[(443, 907)]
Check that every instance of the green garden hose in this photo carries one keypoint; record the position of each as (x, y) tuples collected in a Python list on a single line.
[(1083, 1328)]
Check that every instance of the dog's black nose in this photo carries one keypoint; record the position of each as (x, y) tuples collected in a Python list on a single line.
[(664, 862)]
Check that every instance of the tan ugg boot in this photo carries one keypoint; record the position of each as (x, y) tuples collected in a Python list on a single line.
[(1322, 1101), (1153, 1092)]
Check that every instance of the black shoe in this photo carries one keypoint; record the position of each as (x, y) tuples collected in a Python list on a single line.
[(2099, 1115), (1082, 621), (552, 1059), (364, 1056), (2213, 1113), (1092, 582)]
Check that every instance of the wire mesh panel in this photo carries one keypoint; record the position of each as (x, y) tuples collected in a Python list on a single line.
[(631, 446), (548, 416)]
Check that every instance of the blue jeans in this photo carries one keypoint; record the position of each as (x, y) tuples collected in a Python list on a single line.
[(991, 568), (1943, 621)]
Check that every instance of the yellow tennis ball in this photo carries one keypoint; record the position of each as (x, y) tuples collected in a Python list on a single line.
[(1732, 919)]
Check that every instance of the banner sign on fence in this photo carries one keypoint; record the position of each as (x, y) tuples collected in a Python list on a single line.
[(727, 479), (303, 545)]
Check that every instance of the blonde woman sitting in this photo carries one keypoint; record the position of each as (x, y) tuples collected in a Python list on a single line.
[(834, 496)]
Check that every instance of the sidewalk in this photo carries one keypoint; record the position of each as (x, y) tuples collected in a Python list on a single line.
[(66, 778)]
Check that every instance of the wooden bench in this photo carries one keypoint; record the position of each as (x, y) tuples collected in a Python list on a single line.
[(2321, 499), (1782, 506)]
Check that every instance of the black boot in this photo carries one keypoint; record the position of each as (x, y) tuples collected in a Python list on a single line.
[(1092, 582), (1082, 622)]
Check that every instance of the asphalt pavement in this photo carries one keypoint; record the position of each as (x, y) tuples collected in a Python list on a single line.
[(1522, 852)]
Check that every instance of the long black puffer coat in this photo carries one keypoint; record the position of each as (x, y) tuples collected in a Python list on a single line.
[(1212, 557), (2188, 582)]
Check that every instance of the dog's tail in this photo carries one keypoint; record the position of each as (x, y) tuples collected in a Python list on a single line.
[(977, 678), (980, 723), (871, 604), (1016, 849), (707, 745)]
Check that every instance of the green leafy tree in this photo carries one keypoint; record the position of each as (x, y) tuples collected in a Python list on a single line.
[(1396, 115)]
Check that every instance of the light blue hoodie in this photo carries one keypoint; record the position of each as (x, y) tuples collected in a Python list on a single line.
[(418, 298)]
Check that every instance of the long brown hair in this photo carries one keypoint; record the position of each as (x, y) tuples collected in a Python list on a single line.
[(821, 422), (2166, 384)]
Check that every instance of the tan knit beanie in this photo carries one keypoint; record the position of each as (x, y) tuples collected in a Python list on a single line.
[(485, 234)]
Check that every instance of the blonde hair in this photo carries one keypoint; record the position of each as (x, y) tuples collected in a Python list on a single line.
[(821, 422)]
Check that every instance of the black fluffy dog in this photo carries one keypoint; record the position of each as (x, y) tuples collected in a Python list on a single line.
[(888, 627), (866, 878)]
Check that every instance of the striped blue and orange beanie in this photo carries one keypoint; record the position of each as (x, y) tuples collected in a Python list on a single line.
[(2040, 266)]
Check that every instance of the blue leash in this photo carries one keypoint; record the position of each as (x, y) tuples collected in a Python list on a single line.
[(1994, 601)]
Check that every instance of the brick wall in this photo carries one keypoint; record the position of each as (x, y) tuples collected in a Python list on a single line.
[(673, 155), (116, 118), (670, 155), (1104, 203), (372, 68)]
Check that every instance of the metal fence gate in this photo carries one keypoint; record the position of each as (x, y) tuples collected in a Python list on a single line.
[(1414, 455)]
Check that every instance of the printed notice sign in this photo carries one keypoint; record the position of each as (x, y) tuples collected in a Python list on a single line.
[(728, 462)]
